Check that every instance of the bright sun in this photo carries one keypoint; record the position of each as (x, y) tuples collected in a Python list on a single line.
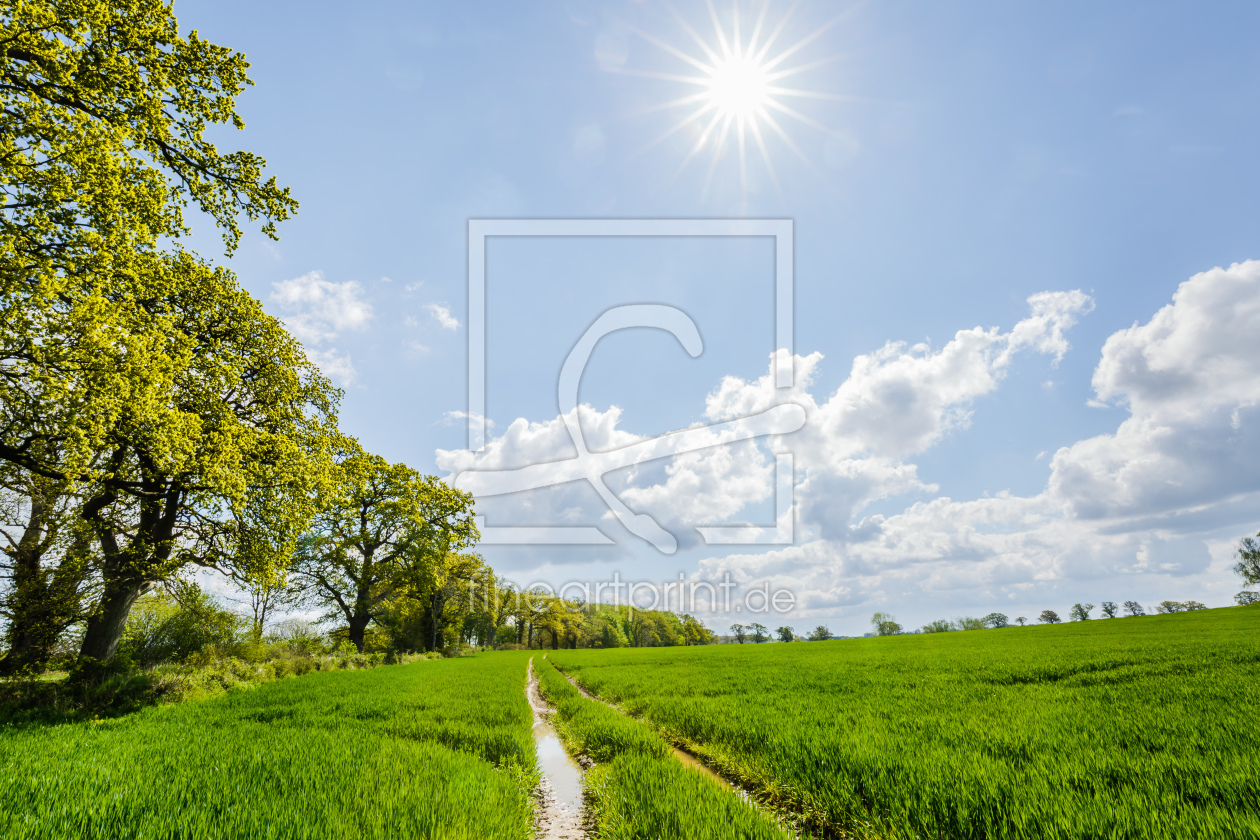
[(739, 88), (740, 91)]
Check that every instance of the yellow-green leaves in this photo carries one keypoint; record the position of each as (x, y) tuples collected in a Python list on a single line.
[(102, 132)]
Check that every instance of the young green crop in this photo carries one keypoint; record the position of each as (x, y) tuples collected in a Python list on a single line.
[(435, 749), (638, 789), (1134, 728)]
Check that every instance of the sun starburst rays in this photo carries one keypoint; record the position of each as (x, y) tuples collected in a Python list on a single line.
[(739, 83)]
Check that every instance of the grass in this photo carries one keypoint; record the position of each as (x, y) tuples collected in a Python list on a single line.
[(1133, 728), (638, 790), (436, 749)]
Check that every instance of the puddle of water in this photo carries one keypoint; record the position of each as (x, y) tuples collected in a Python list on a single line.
[(561, 770)]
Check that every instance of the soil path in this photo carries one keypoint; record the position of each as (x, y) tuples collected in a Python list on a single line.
[(559, 793)]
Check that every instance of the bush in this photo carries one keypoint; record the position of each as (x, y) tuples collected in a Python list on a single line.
[(164, 628), (297, 638), (506, 636)]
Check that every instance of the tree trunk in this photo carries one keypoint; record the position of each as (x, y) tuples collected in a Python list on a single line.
[(105, 627), (30, 645), (30, 638), (358, 626)]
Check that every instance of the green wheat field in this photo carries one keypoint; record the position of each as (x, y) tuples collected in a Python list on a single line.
[(1124, 728)]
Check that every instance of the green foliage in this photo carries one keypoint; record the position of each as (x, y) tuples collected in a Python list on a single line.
[(1092, 729), (1049, 617), (1248, 565), (161, 628), (390, 752), (544, 621), (638, 789), (996, 620), (885, 624), (820, 634), (1109, 609), (969, 623), (187, 424), (1080, 612), (1133, 609), (94, 689), (47, 560), (104, 129), (384, 531), (941, 625), (785, 634)]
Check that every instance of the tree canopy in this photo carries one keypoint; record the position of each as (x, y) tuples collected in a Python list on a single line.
[(380, 529)]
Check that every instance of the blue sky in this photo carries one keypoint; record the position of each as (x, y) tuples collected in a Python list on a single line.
[(973, 155)]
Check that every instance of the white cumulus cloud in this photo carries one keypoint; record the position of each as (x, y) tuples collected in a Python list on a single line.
[(442, 314), (317, 312), (1140, 511)]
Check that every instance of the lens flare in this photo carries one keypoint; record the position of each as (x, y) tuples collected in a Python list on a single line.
[(740, 87)]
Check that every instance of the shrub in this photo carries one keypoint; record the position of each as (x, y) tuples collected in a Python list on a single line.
[(163, 627)]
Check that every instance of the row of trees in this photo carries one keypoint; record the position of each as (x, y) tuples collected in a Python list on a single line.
[(886, 625), (757, 633), (153, 418), (1247, 567)]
